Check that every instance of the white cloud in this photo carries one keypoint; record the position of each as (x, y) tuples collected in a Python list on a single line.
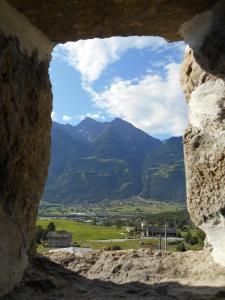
[(67, 118), (53, 116), (95, 116), (91, 57), (153, 103)]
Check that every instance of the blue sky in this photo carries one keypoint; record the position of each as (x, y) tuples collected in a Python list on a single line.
[(134, 78)]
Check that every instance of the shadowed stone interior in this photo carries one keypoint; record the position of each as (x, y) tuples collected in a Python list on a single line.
[(25, 140), (28, 30), (71, 20)]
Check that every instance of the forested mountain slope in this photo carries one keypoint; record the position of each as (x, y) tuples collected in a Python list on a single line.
[(113, 160)]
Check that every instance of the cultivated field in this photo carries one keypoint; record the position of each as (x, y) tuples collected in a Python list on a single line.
[(83, 232), (111, 208)]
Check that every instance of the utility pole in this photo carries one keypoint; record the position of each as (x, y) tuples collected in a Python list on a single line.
[(165, 237), (160, 242), (175, 221)]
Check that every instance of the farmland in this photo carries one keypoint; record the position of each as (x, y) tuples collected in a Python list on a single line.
[(82, 231), (103, 237), (132, 206)]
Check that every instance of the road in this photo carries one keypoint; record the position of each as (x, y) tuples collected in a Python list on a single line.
[(139, 239)]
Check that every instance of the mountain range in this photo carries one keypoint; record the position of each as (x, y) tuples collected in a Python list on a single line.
[(95, 161)]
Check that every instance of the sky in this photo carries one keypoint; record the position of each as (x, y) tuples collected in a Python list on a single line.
[(133, 78)]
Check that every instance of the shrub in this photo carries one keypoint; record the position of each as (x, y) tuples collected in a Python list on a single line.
[(181, 247), (179, 234), (113, 248), (201, 236), (193, 240), (75, 244), (188, 237)]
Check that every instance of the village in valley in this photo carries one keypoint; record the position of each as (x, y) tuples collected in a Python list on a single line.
[(133, 224)]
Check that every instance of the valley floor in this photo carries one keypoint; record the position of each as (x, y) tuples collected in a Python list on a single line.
[(129, 274)]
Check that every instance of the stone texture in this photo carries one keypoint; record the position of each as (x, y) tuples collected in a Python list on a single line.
[(126, 274), (26, 104), (78, 19), (14, 24), (192, 75), (202, 78), (144, 265), (205, 35), (24, 133), (210, 54)]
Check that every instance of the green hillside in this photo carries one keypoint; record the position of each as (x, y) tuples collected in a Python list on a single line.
[(163, 174), (96, 161)]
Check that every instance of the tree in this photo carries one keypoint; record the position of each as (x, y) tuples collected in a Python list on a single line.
[(118, 223), (51, 227), (93, 221)]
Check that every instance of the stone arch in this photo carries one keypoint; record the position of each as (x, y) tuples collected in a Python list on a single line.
[(28, 31)]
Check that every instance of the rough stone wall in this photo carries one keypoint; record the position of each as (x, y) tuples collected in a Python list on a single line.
[(204, 142), (25, 106), (71, 20), (202, 78)]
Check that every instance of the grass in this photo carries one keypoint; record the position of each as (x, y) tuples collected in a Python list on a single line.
[(196, 247), (82, 231), (42, 249), (86, 235), (145, 208), (126, 244), (114, 207)]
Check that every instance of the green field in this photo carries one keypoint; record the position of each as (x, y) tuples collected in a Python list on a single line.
[(82, 231), (126, 244), (86, 235), (146, 207), (112, 208)]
